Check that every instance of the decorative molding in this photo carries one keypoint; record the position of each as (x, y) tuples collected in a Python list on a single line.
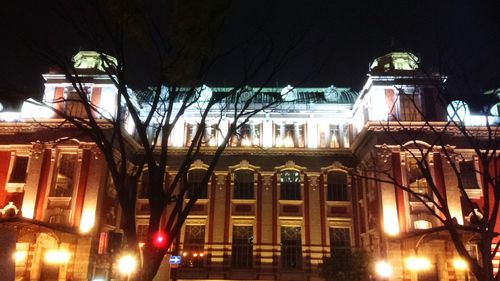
[(290, 165), (244, 165)]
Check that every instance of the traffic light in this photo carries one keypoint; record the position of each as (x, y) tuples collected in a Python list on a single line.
[(159, 239)]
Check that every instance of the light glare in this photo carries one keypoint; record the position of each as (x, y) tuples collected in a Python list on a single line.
[(383, 269), (127, 264), (460, 264), (417, 263), (57, 256)]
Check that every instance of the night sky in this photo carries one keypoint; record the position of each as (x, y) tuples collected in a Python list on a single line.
[(458, 38)]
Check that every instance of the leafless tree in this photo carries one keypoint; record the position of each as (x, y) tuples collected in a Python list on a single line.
[(434, 133), (183, 48)]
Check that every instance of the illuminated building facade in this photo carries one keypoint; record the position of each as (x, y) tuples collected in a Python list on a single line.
[(280, 200)]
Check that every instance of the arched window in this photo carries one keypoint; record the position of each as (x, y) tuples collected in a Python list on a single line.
[(195, 178), (243, 184), (337, 186), (290, 185)]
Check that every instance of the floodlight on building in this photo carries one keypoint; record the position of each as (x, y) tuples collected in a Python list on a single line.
[(57, 256), (417, 263), (383, 269), (20, 256), (127, 264), (460, 264), (87, 221)]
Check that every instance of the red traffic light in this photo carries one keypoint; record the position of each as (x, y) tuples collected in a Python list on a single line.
[(159, 239)]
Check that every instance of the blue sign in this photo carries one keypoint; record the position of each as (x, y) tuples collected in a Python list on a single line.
[(175, 260)]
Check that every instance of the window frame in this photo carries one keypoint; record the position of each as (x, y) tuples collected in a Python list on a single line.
[(296, 193)]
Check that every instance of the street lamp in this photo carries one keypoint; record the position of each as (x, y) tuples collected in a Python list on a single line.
[(127, 265)]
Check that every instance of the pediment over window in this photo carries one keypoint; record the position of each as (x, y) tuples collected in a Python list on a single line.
[(290, 165), (244, 165)]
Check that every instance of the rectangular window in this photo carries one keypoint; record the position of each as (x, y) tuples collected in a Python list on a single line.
[(468, 175), (289, 135), (242, 247), (416, 181), (210, 135), (18, 174), (247, 135), (337, 186), (290, 185), (291, 247), (64, 177), (74, 106), (190, 133), (243, 184), (195, 178), (340, 240), (193, 247), (408, 107), (332, 136)]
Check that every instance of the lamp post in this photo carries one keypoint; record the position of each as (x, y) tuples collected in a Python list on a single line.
[(127, 265)]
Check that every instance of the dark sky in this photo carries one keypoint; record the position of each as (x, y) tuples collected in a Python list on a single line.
[(340, 38)]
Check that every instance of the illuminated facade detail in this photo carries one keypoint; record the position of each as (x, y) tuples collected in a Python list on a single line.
[(281, 198)]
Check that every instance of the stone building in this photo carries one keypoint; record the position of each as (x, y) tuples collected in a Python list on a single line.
[(281, 199)]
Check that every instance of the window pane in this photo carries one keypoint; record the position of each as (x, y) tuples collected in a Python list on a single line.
[(291, 247), (194, 181), (64, 181), (417, 181), (289, 135), (290, 185), (18, 174), (468, 175), (340, 240), (193, 247), (243, 184), (242, 247), (247, 135), (337, 186)]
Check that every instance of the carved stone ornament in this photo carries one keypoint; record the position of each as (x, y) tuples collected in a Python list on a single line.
[(37, 149)]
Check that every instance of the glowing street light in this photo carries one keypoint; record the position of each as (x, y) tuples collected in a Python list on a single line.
[(417, 263), (127, 265), (57, 256), (460, 264), (383, 269)]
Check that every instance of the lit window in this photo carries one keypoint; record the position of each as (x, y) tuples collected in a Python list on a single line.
[(332, 136), (195, 178), (247, 135), (243, 184), (209, 137), (422, 224), (291, 248), (242, 246), (194, 246), (290, 185), (289, 135), (337, 186)]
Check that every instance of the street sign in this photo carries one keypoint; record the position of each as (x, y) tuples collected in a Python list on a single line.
[(174, 260)]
